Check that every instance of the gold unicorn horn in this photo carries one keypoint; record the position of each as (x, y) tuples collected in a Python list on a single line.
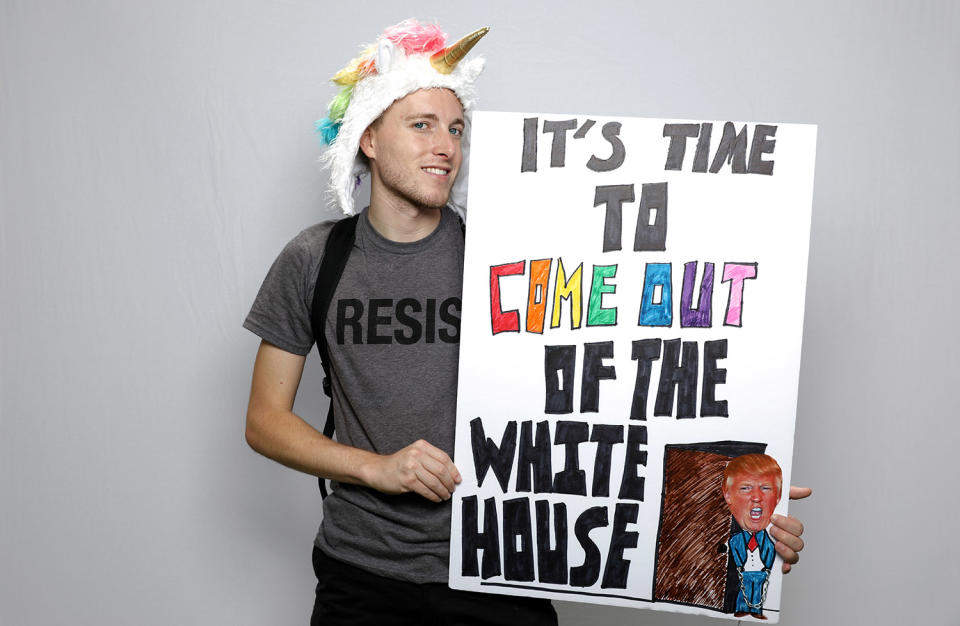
[(445, 60)]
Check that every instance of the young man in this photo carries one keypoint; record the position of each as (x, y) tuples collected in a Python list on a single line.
[(392, 329), (752, 485), (393, 334)]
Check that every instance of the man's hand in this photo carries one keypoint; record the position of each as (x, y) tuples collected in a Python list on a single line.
[(419, 468), (787, 531)]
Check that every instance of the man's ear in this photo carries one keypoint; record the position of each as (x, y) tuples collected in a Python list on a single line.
[(367, 143)]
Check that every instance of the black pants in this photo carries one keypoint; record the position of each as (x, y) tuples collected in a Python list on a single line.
[(349, 595)]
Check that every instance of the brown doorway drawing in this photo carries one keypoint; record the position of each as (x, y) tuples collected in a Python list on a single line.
[(692, 565)]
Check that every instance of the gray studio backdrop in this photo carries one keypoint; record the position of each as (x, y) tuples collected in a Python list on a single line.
[(155, 157)]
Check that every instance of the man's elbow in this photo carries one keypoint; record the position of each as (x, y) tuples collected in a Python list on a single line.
[(253, 433), (251, 439)]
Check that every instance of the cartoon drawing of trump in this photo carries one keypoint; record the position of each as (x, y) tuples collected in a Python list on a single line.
[(752, 485)]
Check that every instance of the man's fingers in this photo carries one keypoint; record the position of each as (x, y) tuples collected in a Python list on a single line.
[(446, 466), (794, 542), (788, 554), (419, 468), (419, 479), (442, 472), (786, 531), (422, 490), (431, 487), (788, 523), (432, 470), (799, 493)]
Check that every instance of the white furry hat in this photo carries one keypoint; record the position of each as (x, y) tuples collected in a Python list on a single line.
[(406, 57)]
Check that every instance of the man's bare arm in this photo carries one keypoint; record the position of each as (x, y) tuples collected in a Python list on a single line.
[(276, 432)]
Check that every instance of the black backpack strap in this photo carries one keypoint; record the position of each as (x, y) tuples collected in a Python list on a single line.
[(335, 255)]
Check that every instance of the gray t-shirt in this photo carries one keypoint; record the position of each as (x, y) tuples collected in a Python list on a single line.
[(393, 329)]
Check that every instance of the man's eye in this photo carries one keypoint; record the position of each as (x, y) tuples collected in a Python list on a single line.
[(420, 125), (456, 132)]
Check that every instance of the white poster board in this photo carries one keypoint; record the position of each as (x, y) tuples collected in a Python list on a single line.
[(632, 317)]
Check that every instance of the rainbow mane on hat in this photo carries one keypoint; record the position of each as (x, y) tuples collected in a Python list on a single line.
[(405, 58)]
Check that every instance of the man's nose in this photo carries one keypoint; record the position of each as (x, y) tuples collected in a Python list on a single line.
[(445, 144)]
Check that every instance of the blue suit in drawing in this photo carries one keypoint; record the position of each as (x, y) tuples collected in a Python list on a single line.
[(753, 580)]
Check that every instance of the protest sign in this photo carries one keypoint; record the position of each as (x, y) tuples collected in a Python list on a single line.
[(632, 316)]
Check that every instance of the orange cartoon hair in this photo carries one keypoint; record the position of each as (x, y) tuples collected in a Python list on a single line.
[(752, 464)]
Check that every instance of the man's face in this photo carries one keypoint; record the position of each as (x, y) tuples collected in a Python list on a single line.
[(414, 148), (752, 498)]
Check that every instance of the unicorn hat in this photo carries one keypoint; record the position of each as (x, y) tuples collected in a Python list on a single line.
[(405, 58)]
